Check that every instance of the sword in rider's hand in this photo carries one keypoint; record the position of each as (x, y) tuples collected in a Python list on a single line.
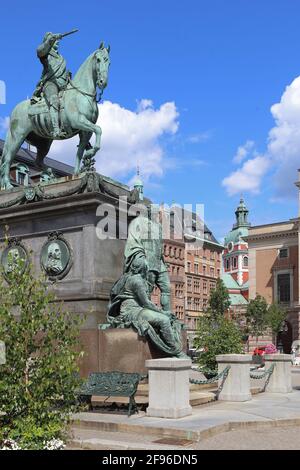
[(63, 35)]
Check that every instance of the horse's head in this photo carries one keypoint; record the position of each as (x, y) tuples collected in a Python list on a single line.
[(102, 64)]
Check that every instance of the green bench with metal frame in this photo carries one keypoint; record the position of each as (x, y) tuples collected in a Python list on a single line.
[(111, 384)]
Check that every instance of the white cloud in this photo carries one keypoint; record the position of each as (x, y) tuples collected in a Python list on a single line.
[(243, 151), (128, 138), (199, 137), (282, 155), (248, 177), (284, 139)]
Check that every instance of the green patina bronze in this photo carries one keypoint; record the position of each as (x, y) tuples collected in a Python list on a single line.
[(111, 384), (56, 256), (14, 257), (60, 107), (130, 304)]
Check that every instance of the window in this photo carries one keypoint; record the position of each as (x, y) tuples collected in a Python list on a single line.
[(245, 261), (189, 284), (196, 268), (22, 172), (283, 287), (234, 262), (212, 272), (228, 264), (205, 287), (283, 253), (197, 286), (204, 270), (188, 267)]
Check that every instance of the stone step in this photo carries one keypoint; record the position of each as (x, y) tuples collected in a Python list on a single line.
[(196, 398), (143, 389), (85, 439)]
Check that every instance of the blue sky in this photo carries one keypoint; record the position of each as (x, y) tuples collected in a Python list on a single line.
[(212, 69)]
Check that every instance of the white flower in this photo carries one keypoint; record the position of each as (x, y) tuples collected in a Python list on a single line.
[(9, 444), (54, 444)]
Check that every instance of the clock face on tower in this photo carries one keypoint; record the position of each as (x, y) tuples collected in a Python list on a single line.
[(230, 246)]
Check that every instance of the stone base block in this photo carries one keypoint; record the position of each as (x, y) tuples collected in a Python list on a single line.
[(172, 413), (281, 378), (169, 390), (236, 386), (122, 349)]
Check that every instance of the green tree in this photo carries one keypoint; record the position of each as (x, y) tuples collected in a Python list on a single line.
[(219, 301), (40, 377), (275, 318), (215, 333), (256, 316), (216, 337)]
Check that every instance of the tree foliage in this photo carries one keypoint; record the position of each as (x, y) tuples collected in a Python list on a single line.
[(275, 318), (256, 316), (217, 334), (217, 337), (40, 377), (219, 301)]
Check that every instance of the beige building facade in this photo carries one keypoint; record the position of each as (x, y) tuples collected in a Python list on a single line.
[(274, 270)]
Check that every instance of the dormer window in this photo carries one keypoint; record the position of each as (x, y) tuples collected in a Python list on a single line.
[(22, 173)]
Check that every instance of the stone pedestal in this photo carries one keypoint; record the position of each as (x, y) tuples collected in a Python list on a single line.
[(122, 349), (237, 384), (2, 353), (95, 263), (281, 378), (169, 390)]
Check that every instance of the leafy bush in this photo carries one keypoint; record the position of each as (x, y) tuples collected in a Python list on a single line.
[(39, 380), (221, 336)]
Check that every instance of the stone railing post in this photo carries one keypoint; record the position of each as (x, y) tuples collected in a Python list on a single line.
[(2, 353), (281, 378), (169, 387), (236, 387)]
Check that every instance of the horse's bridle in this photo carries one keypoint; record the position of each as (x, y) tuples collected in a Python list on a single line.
[(85, 93)]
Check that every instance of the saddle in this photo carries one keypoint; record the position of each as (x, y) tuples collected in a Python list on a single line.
[(39, 114), (38, 105)]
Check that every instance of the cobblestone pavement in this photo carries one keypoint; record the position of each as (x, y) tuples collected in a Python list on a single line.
[(281, 438), (285, 438)]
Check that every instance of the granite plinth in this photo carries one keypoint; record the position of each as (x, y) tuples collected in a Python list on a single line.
[(122, 349), (95, 263)]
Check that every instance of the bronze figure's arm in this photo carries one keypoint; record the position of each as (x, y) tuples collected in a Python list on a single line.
[(46, 46), (141, 294)]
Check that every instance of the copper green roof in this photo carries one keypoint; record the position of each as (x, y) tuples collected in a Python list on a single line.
[(237, 299), (229, 281)]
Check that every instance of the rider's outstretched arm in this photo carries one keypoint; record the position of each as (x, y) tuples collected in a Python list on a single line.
[(44, 49)]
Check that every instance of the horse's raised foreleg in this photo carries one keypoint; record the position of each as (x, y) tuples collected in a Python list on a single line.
[(83, 143), (85, 125)]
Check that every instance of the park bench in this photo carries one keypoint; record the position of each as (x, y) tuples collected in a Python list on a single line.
[(111, 384)]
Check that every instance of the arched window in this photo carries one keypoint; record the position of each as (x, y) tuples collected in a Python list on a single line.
[(22, 172), (246, 261)]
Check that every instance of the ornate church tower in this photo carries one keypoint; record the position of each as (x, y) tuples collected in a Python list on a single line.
[(235, 256)]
